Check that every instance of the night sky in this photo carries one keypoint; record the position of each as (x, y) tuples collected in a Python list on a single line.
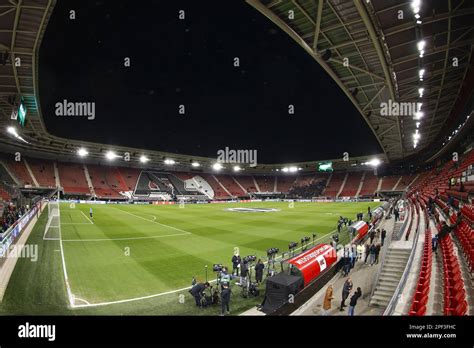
[(191, 62)]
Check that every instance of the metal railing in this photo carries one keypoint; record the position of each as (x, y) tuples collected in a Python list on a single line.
[(396, 295)]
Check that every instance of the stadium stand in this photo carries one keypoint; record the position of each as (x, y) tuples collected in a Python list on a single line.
[(332, 188), (369, 185), (18, 168), (231, 186), (130, 177), (265, 183), (72, 178), (43, 171), (389, 182), (219, 191), (284, 183), (352, 185), (247, 182)]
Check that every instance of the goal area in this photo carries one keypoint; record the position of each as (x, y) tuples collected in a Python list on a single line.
[(52, 230)]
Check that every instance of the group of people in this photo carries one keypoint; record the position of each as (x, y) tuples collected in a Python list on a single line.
[(346, 291), (240, 268), (11, 213), (310, 190), (343, 221)]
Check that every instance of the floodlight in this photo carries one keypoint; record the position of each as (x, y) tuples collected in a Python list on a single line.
[(217, 166), (144, 159), (169, 161), (195, 164), (110, 155), (82, 152)]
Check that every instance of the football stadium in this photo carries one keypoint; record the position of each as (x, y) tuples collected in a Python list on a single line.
[(266, 158)]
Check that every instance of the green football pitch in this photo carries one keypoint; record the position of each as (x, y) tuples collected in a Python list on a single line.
[(139, 259)]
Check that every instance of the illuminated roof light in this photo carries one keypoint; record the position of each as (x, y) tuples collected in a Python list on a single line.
[(110, 155), (82, 152), (417, 124), (12, 131), (374, 162), (237, 169), (217, 166), (293, 169), (418, 115), (421, 45), (420, 91), (195, 164), (169, 161), (418, 21), (285, 170), (144, 159)]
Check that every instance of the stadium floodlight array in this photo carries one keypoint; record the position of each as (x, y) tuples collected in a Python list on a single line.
[(52, 230)]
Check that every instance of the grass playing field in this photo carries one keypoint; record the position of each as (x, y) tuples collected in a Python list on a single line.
[(137, 259)]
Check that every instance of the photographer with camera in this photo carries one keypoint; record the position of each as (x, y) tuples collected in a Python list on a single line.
[(236, 261), (197, 291), (244, 270), (225, 299), (224, 277), (259, 267)]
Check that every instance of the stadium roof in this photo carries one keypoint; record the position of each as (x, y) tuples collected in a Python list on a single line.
[(379, 42), (383, 65)]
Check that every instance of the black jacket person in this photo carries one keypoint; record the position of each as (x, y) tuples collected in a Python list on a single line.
[(445, 229), (197, 291), (236, 260)]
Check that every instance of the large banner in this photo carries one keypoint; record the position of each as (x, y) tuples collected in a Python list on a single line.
[(14, 232), (314, 261)]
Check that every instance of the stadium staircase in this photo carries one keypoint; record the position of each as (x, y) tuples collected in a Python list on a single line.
[(241, 187), (390, 275), (89, 181), (256, 184), (342, 185), (56, 174), (361, 183), (27, 166)]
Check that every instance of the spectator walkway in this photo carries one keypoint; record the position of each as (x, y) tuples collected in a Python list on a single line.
[(362, 275)]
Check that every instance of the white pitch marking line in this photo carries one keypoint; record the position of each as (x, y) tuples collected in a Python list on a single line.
[(75, 223), (162, 293), (125, 238), (155, 222), (86, 217)]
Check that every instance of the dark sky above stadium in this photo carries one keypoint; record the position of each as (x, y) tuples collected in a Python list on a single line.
[(191, 62)]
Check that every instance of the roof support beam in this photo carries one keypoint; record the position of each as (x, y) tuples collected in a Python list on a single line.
[(375, 39), (318, 25)]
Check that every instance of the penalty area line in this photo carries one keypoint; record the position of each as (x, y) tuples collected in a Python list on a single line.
[(126, 238)]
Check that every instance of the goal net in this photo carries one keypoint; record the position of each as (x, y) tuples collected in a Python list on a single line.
[(53, 226)]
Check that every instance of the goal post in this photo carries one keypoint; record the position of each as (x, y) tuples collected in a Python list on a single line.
[(53, 226)]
